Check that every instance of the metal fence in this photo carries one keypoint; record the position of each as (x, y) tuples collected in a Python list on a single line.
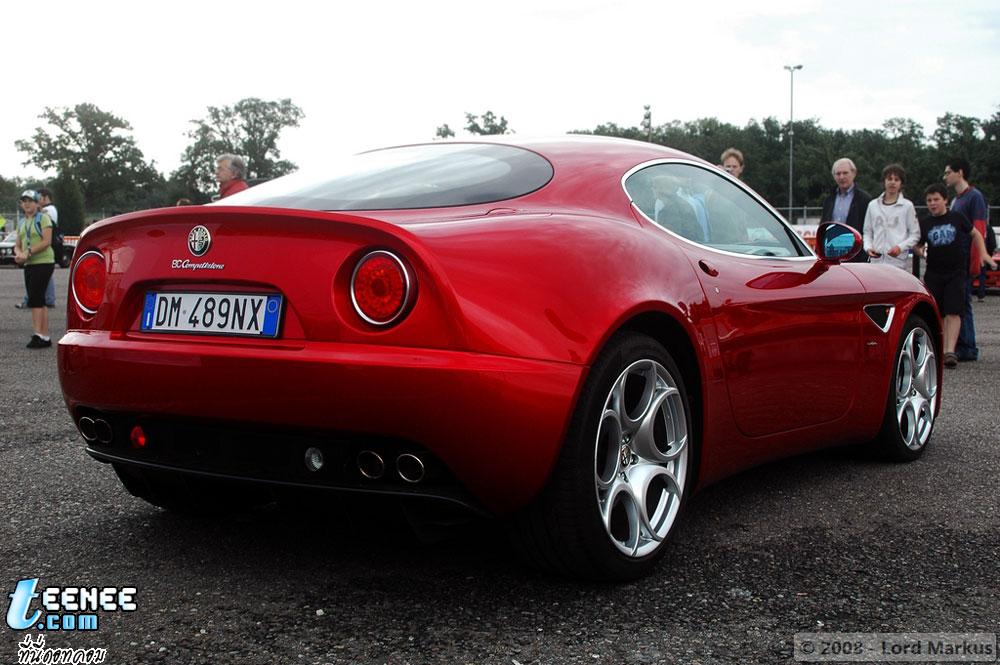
[(11, 217)]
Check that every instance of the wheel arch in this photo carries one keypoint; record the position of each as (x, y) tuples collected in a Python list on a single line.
[(926, 311), (669, 332)]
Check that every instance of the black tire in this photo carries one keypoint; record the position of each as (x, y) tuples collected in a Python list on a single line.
[(189, 495), (911, 405), (563, 530)]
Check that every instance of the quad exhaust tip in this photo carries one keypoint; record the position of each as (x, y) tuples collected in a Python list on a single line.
[(87, 428), (103, 430), (95, 429), (371, 465), (410, 468)]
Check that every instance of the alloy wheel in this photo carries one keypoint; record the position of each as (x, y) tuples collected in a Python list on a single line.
[(916, 389), (641, 457)]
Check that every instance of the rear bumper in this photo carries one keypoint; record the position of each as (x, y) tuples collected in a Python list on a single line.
[(496, 423)]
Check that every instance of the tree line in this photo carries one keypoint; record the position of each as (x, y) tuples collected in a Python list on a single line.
[(99, 166), (899, 140)]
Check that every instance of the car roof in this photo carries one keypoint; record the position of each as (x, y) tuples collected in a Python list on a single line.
[(587, 169), (579, 150)]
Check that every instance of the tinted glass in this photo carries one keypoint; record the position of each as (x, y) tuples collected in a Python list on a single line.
[(423, 176), (705, 207)]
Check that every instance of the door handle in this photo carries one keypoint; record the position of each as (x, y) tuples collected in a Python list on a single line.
[(707, 269)]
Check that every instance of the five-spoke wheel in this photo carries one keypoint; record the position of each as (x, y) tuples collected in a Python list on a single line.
[(913, 396), (624, 471), (640, 459)]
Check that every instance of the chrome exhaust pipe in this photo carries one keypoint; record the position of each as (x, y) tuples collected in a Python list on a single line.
[(103, 431), (371, 465), (87, 428), (410, 468)]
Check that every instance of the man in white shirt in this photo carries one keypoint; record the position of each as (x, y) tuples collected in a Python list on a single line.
[(891, 229)]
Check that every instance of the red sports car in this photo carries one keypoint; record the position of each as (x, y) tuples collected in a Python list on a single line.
[(574, 335)]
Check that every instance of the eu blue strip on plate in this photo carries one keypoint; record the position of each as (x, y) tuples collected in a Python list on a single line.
[(271, 312), (147, 311)]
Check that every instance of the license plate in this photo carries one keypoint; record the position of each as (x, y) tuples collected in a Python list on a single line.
[(237, 314)]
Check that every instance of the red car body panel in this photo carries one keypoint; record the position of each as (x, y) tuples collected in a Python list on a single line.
[(515, 300)]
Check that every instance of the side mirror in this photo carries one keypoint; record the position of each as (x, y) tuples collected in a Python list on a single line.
[(836, 243)]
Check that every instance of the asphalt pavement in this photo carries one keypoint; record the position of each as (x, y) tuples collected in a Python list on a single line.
[(821, 543)]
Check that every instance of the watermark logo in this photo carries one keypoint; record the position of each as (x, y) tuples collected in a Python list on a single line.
[(896, 647), (64, 609), (32, 651)]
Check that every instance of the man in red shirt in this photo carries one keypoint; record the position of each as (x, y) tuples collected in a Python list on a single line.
[(230, 172)]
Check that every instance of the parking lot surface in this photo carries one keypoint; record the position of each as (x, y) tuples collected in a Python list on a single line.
[(827, 542)]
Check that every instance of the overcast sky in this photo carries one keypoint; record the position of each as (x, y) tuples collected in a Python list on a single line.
[(369, 74)]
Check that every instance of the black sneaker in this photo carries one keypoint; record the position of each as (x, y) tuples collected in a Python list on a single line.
[(21, 305), (39, 343)]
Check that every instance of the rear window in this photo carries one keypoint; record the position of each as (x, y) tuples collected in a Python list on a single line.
[(423, 176)]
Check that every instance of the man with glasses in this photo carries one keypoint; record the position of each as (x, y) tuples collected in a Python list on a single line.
[(847, 203), (970, 202)]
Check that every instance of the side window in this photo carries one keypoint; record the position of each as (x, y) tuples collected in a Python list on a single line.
[(706, 208)]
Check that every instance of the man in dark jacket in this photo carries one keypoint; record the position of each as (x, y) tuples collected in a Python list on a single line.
[(847, 203)]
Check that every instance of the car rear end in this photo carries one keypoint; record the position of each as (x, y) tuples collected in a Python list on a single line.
[(293, 348)]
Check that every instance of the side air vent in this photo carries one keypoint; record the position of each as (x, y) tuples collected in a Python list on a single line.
[(881, 315)]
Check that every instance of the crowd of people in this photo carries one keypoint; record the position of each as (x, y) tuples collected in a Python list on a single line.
[(957, 241)]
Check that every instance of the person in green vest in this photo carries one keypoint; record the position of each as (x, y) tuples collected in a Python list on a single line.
[(33, 250)]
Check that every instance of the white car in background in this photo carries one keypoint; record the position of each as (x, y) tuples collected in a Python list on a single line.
[(7, 248)]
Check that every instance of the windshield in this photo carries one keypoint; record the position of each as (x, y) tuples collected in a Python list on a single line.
[(421, 176)]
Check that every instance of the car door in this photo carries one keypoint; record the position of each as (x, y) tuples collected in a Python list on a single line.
[(788, 327)]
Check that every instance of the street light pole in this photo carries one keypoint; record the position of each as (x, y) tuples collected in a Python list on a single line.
[(791, 133)]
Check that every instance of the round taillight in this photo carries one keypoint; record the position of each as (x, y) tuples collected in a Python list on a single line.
[(380, 288), (89, 276)]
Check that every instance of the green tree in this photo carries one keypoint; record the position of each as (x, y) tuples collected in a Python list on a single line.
[(611, 129), (249, 128), (490, 124), (97, 149), (898, 140), (68, 197), (444, 132), (10, 189), (987, 174), (959, 134)]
